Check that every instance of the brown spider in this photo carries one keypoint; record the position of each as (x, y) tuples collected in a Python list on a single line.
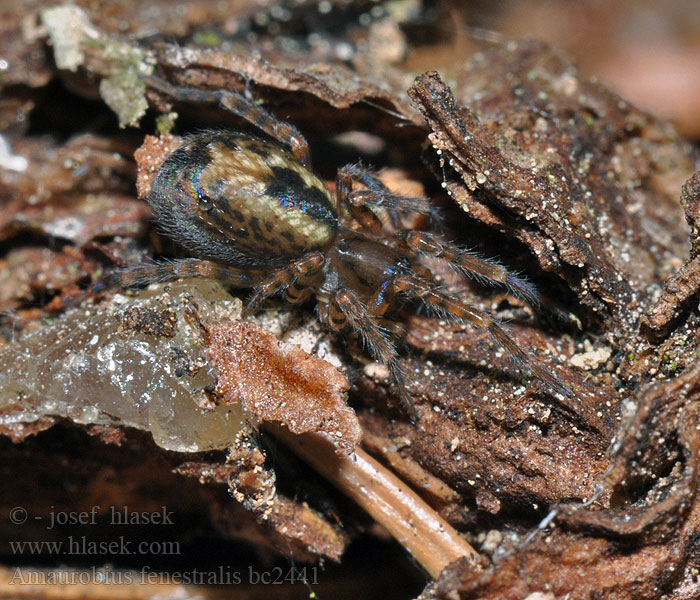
[(258, 218)]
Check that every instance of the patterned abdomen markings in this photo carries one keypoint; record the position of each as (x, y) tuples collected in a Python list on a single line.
[(243, 201)]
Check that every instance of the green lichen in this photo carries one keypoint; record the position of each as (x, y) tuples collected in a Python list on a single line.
[(207, 38), (78, 44), (166, 122)]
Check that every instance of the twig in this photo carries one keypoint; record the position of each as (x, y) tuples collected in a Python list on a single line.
[(407, 517)]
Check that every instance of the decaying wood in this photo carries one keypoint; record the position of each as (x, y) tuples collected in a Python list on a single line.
[(592, 199)]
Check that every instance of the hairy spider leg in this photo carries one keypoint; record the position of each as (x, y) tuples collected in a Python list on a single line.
[(169, 270), (279, 281), (451, 308), (345, 310), (356, 202), (471, 264), (256, 115), (303, 287), (377, 195)]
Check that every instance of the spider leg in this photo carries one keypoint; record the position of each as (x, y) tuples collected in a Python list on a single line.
[(471, 264), (290, 276), (346, 310), (284, 132), (356, 202), (377, 195), (302, 287), (451, 308), (144, 274)]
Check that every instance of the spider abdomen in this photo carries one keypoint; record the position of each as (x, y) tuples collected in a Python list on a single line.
[(241, 200)]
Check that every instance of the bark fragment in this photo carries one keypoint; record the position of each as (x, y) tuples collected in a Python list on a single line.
[(680, 287), (643, 546), (541, 154), (279, 382)]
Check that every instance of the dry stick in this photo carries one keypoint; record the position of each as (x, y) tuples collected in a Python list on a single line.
[(408, 518)]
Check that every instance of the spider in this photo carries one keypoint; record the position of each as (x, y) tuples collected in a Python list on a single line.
[(255, 216)]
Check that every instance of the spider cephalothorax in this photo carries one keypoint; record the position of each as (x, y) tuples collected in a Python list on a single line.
[(256, 217)]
